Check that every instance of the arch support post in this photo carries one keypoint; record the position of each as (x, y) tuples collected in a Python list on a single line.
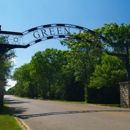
[(125, 94), (2, 82), (125, 86), (127, 61)]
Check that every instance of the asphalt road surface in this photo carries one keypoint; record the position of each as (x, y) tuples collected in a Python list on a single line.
[(52, 115)]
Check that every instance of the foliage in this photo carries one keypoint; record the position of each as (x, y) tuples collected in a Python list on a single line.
[(110, 72), (83, 72), (114, 32), (83, 55), (47, 76)]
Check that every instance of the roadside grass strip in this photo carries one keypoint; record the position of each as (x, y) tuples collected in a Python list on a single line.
[(7, 120)]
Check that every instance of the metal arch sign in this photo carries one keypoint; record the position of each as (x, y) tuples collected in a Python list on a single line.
[(51, 31), (44, 32), (40, 33)]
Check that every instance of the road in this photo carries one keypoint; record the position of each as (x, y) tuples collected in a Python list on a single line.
[(53, 115)]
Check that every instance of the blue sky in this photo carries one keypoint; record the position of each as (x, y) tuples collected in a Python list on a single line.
[(21, 15)]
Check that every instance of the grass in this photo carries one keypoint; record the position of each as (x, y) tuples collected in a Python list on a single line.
[(109, 105), (73, 102), (83, 102), (7, 120)]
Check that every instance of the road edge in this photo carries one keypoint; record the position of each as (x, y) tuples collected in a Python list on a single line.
[(19, 121)]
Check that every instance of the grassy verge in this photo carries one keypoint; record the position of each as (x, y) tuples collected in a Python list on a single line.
[(109, 105), (7, 120), (83, 102)]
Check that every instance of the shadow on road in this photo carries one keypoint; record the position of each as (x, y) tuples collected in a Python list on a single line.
[(18, 110), (67, 112), (9, 101)]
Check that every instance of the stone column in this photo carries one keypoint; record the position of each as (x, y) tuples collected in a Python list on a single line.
[(2, 82), (125, 94)]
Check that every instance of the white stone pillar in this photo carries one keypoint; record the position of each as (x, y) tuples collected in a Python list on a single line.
[(125, 94)]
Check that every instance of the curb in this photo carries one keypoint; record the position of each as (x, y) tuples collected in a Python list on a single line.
[(20, 122)]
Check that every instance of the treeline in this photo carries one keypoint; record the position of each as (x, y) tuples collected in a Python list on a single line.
[(83, 72)]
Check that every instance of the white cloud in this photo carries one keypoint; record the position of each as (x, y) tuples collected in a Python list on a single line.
[(13, 60), (10, 84)]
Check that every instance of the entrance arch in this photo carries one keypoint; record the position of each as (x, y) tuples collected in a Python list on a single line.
[(54, 31), (46, 32)]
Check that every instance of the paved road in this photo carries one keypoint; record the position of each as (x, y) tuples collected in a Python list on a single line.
[(52, 115)]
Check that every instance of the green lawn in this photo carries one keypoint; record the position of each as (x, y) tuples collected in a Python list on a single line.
[(7, 120)]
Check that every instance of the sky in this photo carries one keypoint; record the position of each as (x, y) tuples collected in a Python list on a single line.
[(21, 15)]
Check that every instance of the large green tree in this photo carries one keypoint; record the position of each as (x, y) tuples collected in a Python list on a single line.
[(83, 56), (112, 70)]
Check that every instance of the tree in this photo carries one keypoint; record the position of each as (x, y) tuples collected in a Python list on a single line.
[(48, 75), (110, 72), (114, 67), (48, 66), (24, 85), (83, 56), (114, 32), (86, 51)]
